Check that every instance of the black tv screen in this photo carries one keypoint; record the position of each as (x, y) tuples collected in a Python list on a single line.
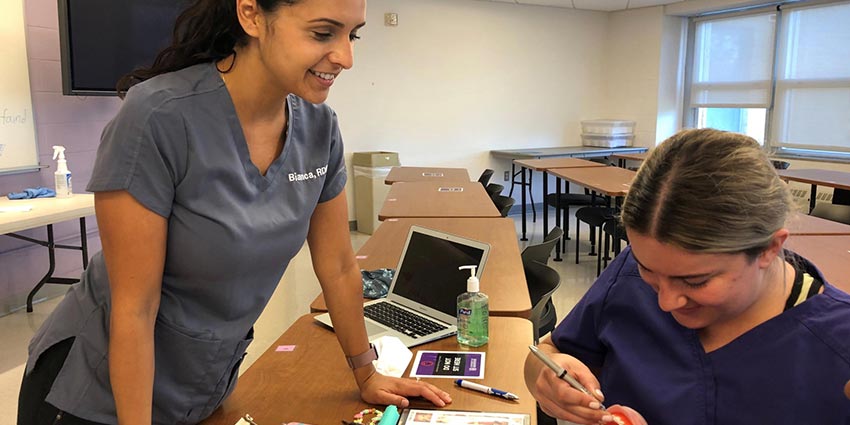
[(103, 40)]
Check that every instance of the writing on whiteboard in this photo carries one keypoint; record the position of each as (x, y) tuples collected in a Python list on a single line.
[(8, 117)]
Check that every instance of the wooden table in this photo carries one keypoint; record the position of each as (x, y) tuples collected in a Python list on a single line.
[(313, 384), (623, 157), (436, 199), (543, 165), (831, 254), (815, 177), (503, 279), (802, 224), (46, 212), (612, 182), (418, 174)]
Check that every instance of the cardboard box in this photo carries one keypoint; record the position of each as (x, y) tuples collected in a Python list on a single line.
[(375, 159)]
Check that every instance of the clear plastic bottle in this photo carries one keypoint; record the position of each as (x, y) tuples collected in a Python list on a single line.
[(62, 176), (473, 313)]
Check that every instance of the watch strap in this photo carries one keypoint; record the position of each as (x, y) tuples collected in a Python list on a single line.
[(362, 359)]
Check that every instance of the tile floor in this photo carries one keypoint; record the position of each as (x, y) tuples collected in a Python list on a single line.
[(297, 289)]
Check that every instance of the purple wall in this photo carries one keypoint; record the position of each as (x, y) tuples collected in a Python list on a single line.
[(76, 123)]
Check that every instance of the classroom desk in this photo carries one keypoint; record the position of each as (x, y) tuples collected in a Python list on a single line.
[(503, 279), (571, 151), (831, 254), (543, 165), (802, 224), (313, 384), (623, 157), (419, 174), (436, 199), (46, 212), (612, 182), (815, 177)]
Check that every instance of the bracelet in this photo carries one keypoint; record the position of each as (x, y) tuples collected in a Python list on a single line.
[(358, 418)]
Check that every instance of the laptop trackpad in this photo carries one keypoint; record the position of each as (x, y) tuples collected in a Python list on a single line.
[(373, 330)]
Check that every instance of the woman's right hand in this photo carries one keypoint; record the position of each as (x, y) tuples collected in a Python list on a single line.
[(558, 399)]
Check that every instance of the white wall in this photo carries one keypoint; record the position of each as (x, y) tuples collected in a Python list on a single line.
[(456, 79)]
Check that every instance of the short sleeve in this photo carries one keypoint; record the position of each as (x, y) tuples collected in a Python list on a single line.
[(337, 175), (139, 152), (579, 333)]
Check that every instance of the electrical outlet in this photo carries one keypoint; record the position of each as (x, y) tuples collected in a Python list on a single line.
[(507, 175), (391, 19)]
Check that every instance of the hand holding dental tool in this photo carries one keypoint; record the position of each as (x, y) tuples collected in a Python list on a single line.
[(562, 373), (486, 390)]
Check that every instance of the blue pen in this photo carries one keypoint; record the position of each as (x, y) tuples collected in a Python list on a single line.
[(486, 390)]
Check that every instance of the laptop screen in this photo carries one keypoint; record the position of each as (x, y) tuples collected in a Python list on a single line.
[(429, 272)]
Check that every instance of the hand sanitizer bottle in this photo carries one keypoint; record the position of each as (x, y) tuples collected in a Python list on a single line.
[(473, 313), (62, 176)]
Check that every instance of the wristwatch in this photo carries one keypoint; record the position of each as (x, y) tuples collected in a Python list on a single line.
[(363, 358)]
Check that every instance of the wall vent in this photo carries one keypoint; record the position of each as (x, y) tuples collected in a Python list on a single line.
[(804, 194)]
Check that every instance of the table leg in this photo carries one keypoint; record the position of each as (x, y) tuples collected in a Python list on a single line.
[(558, 216), (524, 238), (545, 204), (84, 243), (52, 259), (813, 197)]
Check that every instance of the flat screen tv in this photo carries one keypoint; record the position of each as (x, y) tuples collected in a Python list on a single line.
[(103, 40)]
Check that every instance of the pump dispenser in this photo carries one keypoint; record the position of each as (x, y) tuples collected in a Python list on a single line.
[(473, 313), (62, 176)]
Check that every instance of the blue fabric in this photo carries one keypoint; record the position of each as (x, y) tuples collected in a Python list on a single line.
[(177, 147), (789, 370), (36, 192), (376, 283)]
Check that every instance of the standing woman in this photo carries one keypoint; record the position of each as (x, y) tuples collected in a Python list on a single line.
[(705, 318), (220, 163)]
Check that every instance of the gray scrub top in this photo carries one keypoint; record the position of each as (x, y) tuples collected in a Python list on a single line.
[(177, 147)]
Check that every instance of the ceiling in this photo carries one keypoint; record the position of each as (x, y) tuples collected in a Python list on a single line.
[(604, 5)]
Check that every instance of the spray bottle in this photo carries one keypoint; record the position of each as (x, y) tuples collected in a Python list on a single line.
[(473, 313), (62, 176)]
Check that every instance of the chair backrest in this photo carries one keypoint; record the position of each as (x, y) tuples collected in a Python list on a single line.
[(494, 189), (839, 213), (841, 196), (542, 282), (503, 204), (485, 177), (542, 251)]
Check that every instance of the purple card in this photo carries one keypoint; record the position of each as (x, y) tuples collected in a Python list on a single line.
[(448, 364)]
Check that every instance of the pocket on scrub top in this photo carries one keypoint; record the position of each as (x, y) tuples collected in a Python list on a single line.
[(188, 365)]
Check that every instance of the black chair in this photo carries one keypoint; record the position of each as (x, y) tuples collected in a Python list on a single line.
[(834, 212), (780, 165), (503, 204), (595, 217), (542, 282), (494, 189), (568, 200), (614, 233), (542, 251), (841, 196), (485, 177)]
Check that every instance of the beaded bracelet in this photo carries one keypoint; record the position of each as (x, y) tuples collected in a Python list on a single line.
[(358, 418)]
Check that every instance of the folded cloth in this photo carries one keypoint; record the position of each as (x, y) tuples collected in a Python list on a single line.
[(36, 192), (376, 283)]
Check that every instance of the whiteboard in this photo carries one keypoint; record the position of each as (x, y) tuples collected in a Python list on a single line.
[(18, 148)]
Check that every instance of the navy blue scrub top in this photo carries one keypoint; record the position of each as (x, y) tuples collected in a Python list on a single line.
[(177, 147)]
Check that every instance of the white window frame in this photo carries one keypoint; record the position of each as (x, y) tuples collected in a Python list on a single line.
[(690, 113)]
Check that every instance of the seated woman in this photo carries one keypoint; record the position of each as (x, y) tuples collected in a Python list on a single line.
[(705, 318)]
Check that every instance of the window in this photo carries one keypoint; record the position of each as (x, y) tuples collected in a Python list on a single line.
[(780, 75)]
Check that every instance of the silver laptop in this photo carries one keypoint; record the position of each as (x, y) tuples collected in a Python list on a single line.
[(422, 300)]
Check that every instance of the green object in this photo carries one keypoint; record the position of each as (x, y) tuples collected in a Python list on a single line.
[(473, 313)]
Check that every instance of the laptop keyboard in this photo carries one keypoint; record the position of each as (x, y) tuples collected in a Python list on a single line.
[(401, 320)]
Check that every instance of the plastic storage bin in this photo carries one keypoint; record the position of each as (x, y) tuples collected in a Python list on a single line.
[(607, 141), (370, 171), (607, 127)]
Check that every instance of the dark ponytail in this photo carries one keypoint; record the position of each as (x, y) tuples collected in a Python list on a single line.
[(207, 31)]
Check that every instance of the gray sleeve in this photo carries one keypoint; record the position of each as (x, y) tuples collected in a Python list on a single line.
[(139, 152), (337, 175)]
